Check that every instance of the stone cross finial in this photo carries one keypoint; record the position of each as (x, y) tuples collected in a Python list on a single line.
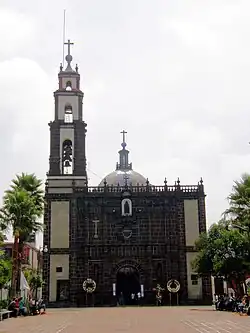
[(123, 138), (68, 57), (69, 43)]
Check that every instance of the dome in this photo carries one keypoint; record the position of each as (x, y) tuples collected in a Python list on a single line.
[(121, 177), (124, 174)]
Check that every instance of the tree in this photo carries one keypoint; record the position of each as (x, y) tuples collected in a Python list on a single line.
[(31, 184), (5, 269), (34, 279), (5, 265), (239, 202), (223, 252), (22, 206)]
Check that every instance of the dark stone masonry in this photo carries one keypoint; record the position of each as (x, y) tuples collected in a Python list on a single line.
[(125, 234)]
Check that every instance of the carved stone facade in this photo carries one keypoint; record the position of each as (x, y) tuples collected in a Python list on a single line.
[(124, 225), (156, 246)]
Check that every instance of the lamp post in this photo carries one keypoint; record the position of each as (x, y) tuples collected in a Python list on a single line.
[(39, 256)]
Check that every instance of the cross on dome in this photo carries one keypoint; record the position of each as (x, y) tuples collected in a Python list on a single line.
[(123, 139)]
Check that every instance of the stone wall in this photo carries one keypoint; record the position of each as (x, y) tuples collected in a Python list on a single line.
[(157, 244)]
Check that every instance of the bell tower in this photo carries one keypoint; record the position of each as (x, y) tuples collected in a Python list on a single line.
[(67, 171), (67, 131)]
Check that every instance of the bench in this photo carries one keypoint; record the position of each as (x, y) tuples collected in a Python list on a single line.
[(4, 312)]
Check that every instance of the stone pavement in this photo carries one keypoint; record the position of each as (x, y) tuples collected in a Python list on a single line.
[(131, 320)]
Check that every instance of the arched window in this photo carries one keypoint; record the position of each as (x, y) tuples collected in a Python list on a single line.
[(68, 114), (68, 86), (67, 157), (126, 207)]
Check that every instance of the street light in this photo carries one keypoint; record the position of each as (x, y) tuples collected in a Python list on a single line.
[(41, 250), (44, 249)]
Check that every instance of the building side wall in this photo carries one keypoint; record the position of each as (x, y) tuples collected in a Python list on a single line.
[(194, 290), (58, 260)]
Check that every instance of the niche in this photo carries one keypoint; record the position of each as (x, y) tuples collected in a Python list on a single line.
[(126, 207)]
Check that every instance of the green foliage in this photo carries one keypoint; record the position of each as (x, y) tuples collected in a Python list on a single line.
[(5, 266), (31, 184), (34, 279), (239, 202), (5, 270), (22, 205), (19, 212), (225, 249), (223, 252), (4, 304)]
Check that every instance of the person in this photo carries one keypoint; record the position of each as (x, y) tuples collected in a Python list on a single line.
[(121, 299), (22, 307), (215, 301), (139, 298), (41, 306), (33, 307), (13, 309), (242, 305)]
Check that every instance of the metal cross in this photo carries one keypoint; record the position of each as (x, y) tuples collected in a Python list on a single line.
[(69, 43), (123, 135), (95, 222)]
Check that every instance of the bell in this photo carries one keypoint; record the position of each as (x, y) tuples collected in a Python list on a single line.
[(67, 164)]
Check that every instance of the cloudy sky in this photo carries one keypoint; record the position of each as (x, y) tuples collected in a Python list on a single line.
[(173, 73)]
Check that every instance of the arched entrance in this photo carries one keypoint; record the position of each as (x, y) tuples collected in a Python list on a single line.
[(128, 284)]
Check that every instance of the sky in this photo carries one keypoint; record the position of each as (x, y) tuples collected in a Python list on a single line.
[(173, 73)]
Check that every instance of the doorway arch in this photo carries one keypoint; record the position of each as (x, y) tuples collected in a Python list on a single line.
[(128, 284)]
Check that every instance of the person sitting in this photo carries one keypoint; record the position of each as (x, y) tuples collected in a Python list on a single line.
[(33, 307), (22, 307), (41, 306), (13, 309), (242, 305)]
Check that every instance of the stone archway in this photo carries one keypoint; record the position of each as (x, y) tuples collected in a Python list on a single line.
[(128, 284)]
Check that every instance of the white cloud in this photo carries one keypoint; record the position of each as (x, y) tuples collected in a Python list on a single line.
[(16, 31), (175, 74)]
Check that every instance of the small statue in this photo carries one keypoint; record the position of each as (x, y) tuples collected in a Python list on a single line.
[(158, 294)]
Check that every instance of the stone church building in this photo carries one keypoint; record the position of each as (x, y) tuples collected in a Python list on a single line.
[(126, 234)]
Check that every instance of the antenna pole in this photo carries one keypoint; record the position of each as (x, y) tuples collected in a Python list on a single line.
[(64, 24)]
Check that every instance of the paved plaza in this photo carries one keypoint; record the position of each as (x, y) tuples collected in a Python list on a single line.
[(131, 320)]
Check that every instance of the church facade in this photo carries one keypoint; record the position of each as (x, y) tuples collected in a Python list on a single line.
[(125, 234)]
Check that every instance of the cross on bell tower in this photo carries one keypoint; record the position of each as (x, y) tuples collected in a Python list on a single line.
[(69, 57)]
